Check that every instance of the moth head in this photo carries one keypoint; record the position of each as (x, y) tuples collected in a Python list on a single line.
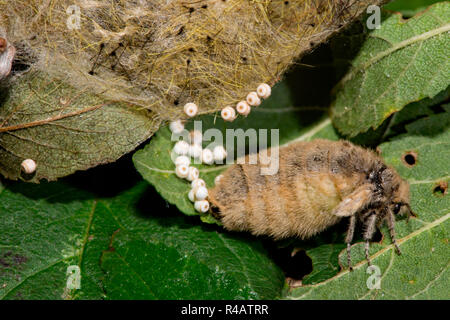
[(400, 198), (396, 191)]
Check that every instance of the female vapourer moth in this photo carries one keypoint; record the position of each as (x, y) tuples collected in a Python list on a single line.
[(317, 184)]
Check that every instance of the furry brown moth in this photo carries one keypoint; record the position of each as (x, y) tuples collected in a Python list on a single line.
[(318, 184)]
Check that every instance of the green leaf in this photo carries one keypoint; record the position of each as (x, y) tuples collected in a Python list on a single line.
[(421, 272), (64, 130), (324, 255), (413, 111), (128, 246), (278, 112), (409, 8), (400, 63), (45, 229)]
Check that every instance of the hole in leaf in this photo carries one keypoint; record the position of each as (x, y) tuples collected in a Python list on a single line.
[(441, 188), (410, 158)]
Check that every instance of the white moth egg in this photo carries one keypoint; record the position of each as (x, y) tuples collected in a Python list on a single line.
[(28, 166), (264, 90), (200, 193), (193, 174), (191, 195), (181, 148), (182, 160), (217, 179), (195, 151), (228, 114), (190, 109), (253, 99), (243, 108), (201, 206), (198, 183), (207, 156), (176, 126), (182, 171), (219, 153), (195, 137)]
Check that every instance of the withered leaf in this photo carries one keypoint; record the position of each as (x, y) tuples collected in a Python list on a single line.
[(63, 129)]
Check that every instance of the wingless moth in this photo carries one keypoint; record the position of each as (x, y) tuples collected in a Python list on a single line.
[(318, 183)]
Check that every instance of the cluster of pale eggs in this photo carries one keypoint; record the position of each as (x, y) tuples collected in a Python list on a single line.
[(253, 99), (184, 150), (183, 169)]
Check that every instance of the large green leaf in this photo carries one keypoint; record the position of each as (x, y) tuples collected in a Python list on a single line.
[(125, 247), (402, 62), (167, 258), (45, 229), (421, 272)]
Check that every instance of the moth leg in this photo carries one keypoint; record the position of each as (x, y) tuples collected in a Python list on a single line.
[(368, 234), (348, 240), (391, 223), (354, 202)]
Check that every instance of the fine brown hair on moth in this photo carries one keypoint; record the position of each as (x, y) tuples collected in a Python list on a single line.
[(318, 183)]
